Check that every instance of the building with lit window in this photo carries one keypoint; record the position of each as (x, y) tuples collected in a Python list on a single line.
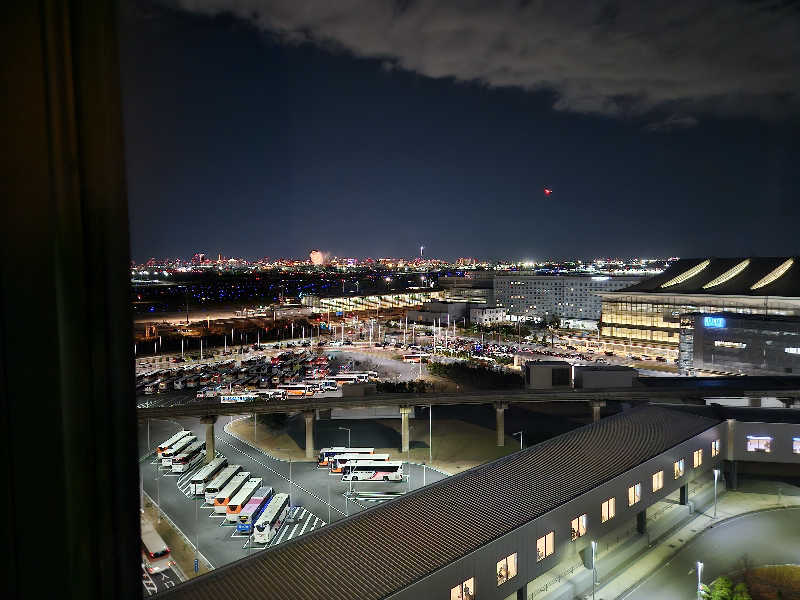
[(739, 344), (532, 296), (650, 311)]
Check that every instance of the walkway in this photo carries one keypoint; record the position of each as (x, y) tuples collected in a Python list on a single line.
[(665, 570)]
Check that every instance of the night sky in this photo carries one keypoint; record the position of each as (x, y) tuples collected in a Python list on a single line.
[(367, 128)]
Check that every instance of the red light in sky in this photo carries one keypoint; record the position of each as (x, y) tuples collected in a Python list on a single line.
[(547, 191)]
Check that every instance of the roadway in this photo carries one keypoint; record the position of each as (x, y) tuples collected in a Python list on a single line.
[(647, 389), (769, 537), (310, 488)]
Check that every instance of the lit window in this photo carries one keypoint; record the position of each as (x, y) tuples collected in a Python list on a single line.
[(609, 510), (578, 527), (464, 591), (714, 448), (796, 445), (506, 568), (697, 458), (759, 443), (658, 481), (678, 468), (545, 546)]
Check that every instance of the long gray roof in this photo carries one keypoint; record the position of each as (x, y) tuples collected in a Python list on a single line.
[(742, 276), (387, 548)]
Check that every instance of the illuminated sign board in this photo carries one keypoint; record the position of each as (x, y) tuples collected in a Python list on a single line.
[(715, 322)]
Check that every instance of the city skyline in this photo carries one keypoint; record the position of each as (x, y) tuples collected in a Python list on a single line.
[(275, 142)]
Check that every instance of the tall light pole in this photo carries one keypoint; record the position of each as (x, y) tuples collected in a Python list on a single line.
[(347, 429), (594, 567), (699, 579), (519, 433), (716, 476)]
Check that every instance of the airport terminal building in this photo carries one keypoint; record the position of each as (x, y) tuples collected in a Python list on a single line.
[(739, 344), (651, 311)]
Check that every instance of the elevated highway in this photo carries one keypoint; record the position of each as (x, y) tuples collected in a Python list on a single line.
[(645, 389)]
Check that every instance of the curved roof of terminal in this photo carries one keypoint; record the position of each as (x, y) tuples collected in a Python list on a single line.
[(743, 276), (387, 548)]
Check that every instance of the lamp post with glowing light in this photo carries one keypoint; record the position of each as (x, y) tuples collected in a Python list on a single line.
[(699, 580)]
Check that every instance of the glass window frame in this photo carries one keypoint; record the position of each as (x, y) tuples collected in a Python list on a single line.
[(548, 542), (579, 526), (608, 510), (697, 458), (679, 468), (636, 490), (658, 476)]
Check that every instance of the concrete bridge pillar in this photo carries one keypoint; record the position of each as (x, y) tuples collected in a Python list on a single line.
[(210, 449), (500, 422), (684, 494), (596, 406), (309, 417), (405, 442), (641, 521)]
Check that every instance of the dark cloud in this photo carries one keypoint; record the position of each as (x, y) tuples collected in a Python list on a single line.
[(671, 123), (627, 58)]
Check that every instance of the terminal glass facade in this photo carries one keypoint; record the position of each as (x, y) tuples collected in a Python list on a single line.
[(739, 344), (655, 318)]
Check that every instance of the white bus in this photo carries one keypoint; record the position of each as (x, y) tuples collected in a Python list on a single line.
[(296, 389), (155, 553), (343, 378), (325, 454), (231, 398), (242, 497), (220, 481), (175, 438), (222, 499), (186, 459), (414, 357), (274, 394), (271, 519), (178, 447), (373, 470), (197, 484), (337, 461), (253, 509), (364, 376)]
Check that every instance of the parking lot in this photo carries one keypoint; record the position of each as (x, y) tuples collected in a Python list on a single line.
[(321, 497)]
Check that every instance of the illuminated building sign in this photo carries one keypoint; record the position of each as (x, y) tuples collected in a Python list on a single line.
[(715, 322)]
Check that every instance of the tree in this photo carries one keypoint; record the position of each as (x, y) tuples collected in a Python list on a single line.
[(722, 589), (740, 592)]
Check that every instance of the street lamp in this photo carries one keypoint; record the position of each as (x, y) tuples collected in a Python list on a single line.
[(699, 579), (594, 567), (716, 476), (519, 433), (348, 435)]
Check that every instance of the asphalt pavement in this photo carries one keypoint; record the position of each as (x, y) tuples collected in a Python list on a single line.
[(768, 537), (321, 496)]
